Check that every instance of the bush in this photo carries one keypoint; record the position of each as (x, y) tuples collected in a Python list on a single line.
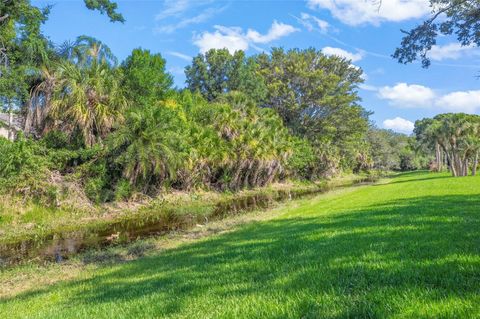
[(123, 190), (24, 170)]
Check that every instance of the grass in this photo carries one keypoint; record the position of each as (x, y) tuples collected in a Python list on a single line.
[(408, 248), (20, 221)]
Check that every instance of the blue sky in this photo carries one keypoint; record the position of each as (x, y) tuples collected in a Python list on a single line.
[(358, 29)]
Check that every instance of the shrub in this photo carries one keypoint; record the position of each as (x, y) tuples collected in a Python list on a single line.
[(24, 170)]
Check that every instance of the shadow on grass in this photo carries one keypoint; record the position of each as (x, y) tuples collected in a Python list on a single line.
[(411, 177), (373, 262)]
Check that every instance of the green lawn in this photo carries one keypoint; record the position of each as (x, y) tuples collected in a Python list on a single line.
[(406, 249)]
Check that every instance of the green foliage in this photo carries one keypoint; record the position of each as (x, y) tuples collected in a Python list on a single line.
[(303, 160), (145, 80), (24, 170), (187, 141), (88, 100), (457, 134), (448, 17), (151, 145), (317, 99), (123, 190), (386, 148), (105, 7), (217, 72)]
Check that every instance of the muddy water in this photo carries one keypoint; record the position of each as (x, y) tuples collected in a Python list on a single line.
[(59, 246)]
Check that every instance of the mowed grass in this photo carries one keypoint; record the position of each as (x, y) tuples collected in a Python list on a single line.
[(409, 248)]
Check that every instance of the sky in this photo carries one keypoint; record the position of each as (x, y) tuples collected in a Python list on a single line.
[(361, 30)]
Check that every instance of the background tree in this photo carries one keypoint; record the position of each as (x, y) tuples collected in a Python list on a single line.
[(316, 96), (394, 151), (457, 134), (145, 78), (218, 72)]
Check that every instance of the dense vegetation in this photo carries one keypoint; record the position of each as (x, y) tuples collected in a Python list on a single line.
[(455, 140), (118, 129), (404, 249)]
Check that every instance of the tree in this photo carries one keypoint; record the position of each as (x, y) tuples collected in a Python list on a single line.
[(316, 96), (88, 99), (218, 72), (449, 17), (23, 48), (394, 151), (85, 50), (145, 78), (151, 145), (105, 6), (457, 134)]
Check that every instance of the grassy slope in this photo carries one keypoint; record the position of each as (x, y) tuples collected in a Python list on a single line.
[(409, 248)]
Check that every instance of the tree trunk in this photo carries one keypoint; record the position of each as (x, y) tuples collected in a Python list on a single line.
[(10, 122), (438, 157), (451, 160), (475, 164)]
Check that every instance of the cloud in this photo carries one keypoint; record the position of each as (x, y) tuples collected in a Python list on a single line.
[(312, 23), (399, 124), (176, 8), (460, 101), (179, 14), (180, 55), (354, 57), (407, 95), (452, 51), (223, 37), (419, 96), (176, 70), (234, 39), (357, 12), (367, 87), (183, 23), (277, 31)]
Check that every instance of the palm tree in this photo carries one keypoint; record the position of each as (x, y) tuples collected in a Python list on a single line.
[(85, 50), (87, 99), (81, 92), (150, 146)]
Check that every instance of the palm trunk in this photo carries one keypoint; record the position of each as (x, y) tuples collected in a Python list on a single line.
[(475, 164), (438, 157), (10, 122)]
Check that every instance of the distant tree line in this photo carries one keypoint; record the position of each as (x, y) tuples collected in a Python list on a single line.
[(454, 138)]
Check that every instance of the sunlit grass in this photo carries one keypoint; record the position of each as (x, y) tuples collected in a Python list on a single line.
[(406, 249)]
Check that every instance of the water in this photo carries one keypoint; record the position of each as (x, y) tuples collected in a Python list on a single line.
[(61, 245)]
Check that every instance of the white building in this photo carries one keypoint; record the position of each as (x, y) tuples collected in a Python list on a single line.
[(5, 130)]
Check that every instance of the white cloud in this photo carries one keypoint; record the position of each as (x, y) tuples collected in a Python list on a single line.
[(367, 87), (178, 14), (277, 30), (176, 8), (180, 56), (451, 51), (185, 22), (407, 95), (399, 124), (311, 23), (356, 12), (234, 39), (354, 57), (460, 101), (419, 96), (223, 37)]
